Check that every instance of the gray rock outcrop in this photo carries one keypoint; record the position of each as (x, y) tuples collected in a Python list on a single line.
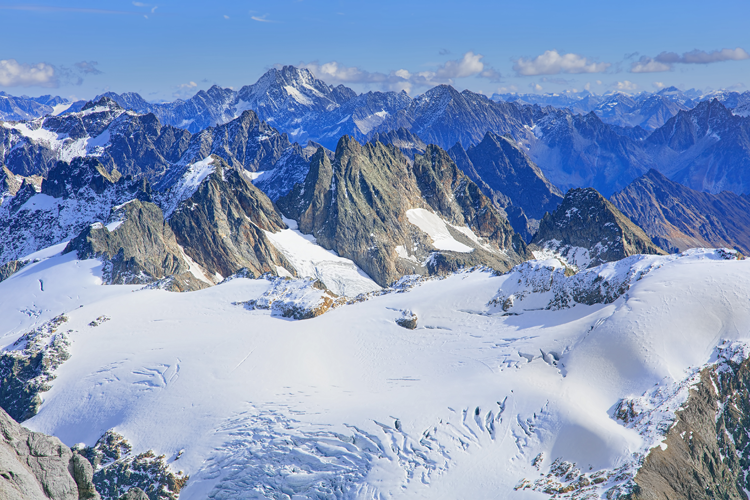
[(142, 249), (34, 466), (357, 205)]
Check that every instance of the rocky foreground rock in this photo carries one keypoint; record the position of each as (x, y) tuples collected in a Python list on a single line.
[(34, 466)]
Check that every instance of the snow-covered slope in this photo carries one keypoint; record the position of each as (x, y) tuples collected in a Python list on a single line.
[(479, 401)]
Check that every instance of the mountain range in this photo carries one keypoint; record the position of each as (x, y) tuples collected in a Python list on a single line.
[(295, 291)]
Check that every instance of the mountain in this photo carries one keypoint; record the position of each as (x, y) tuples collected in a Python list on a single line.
[(408, 143), (506, 168), (677, 218), (74, 196), (223, 223), (706, 148), (136, 247), (395, 218), (582, 151), (28, 108), (587, 230)]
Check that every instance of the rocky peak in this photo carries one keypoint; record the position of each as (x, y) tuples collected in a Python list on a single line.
[(221, 223), (677, 217), (588, 230), (139, 247), (102, 102), (506, 168), (367, 203), (65, 180)]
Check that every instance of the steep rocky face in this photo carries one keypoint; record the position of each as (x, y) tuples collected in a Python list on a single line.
[(140, 248), (221, 224), (73, 196), (588, 230), (243, 142), (290, 169), (444, 116), (39, 467), (708, 447), (506, 168), (706, 148), (677, 217), (576, 151), (408, 143), (365, 205)]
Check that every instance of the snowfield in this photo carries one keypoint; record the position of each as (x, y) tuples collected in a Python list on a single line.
[(477, 402)]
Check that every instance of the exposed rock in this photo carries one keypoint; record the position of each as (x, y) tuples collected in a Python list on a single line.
[(505, 168), (141, 249), (10, 268), (706, 148), (34, 466), (357, 205), (245, 142), (28, 367), (677, 217), (296, 298), (221, 225), (134, 493), (408, 143), (707, 448), (118, 472), (289, 170), (407, 320), (74, 196), (588, 230)]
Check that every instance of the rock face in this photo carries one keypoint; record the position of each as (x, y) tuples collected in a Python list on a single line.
[(141, 249), (74, 196), (39, 467), (706, 148), (708, 446), (408, 143), (290, 169), (358, 205), (506, 168), (588, 230), (221, 225), (243, 142), (677, 217)]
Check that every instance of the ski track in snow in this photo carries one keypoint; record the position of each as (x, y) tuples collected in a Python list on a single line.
[(350, 405)]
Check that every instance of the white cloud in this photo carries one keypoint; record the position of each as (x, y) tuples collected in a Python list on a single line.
[(658, 85), (536, 87), (553, 63), (262, 19), (626, 86), (15, 74), (598, 82), (505, 90), (648, 65), (665, 60), (587, 86), (226, 16), (189, 85), (470, 64)]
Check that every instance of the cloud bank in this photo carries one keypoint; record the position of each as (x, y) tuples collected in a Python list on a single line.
[(665, 61), (15, 74), (470, 64), (554, 63)]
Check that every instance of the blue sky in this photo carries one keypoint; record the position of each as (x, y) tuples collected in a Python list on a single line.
[(166, 48)]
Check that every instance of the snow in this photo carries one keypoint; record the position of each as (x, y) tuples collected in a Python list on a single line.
[(59, 109), (368, 123), (340, 275), (353, 403), (188, 184), (298, 96), (436, 229)]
